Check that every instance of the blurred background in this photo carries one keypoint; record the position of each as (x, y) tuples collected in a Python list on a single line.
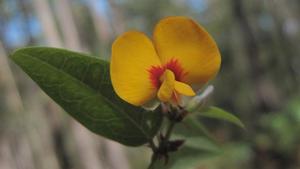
[(259, 80)]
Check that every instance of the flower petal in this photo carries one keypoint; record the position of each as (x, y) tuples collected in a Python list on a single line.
[(166, 89), (184, 89), (133, 54), (182, 39)]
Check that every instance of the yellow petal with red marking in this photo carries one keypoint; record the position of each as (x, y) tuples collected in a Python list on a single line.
[(182, 39), (133, 54), (183, 89), (166, 89)]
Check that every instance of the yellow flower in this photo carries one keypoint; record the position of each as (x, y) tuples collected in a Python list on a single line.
[(181, 57)]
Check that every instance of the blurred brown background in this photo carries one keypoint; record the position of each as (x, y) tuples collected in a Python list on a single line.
[(259, 80)]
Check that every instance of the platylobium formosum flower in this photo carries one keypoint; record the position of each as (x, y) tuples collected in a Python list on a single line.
[(180, 59)]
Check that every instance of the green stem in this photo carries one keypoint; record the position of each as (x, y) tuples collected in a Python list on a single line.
[(154, 157), (153, 160), (152, 146), (169, 130)]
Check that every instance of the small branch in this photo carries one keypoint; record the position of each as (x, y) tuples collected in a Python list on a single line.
[(169, 130), (161, 145), (154, 158), (154, 155), (152, 146)]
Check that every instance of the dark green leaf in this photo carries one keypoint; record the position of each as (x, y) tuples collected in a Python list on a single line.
[(217, 113), (199, 143), (194, 151), (81, 85), (194, 124), (231, 156)]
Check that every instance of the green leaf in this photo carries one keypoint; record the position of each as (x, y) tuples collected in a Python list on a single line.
[(194, 151), (233, 156), (195, 124), (199, 143), (81, 85), (217, 113)]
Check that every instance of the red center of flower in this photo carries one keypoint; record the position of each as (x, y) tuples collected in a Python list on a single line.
[(156, 72)]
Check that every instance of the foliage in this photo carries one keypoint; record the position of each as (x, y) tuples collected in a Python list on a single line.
[(278, 130), (260, 73), (81, 85), (217, 113)]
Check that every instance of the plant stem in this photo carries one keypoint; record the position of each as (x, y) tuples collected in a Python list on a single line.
[(169, 130), (152, 146), (154, 157), (153, 160)]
